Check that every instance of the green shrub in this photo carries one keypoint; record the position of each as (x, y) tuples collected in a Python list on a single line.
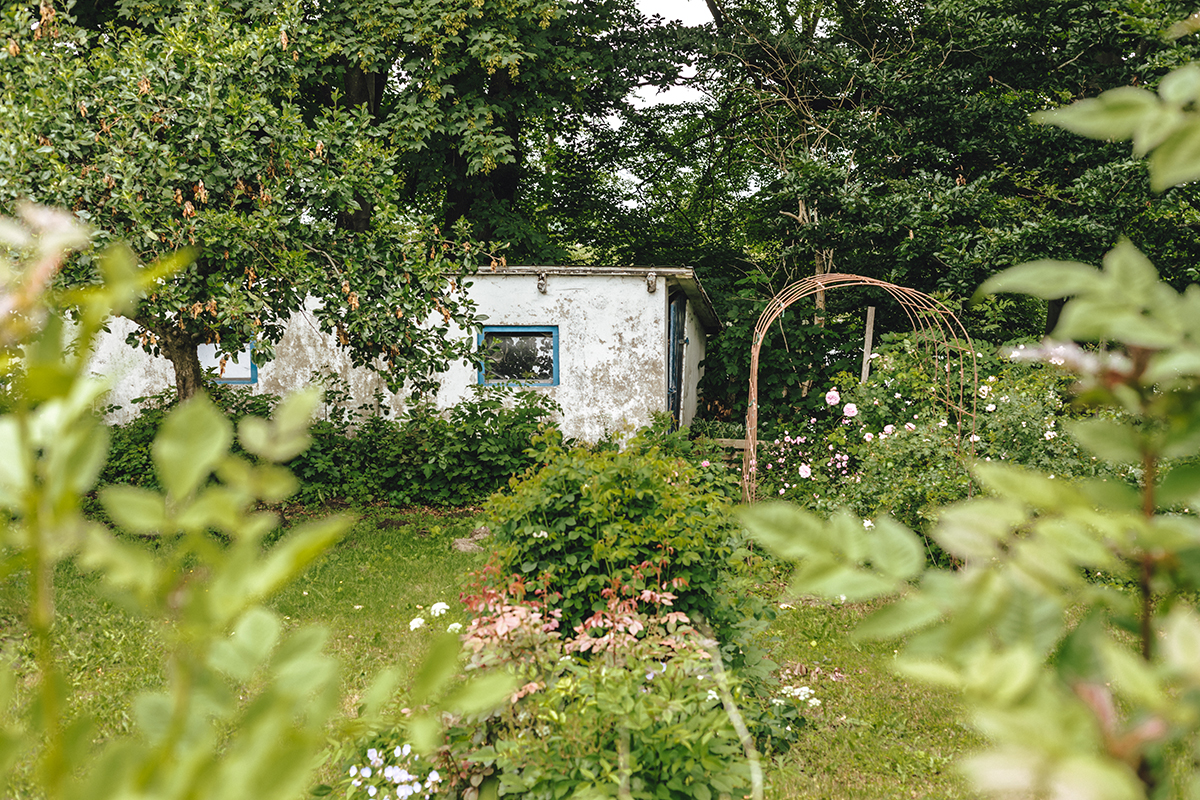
[(903, 453), (426, 458), (586, 522)]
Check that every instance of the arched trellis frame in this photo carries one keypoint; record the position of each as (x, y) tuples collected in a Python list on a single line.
[(945, 348)]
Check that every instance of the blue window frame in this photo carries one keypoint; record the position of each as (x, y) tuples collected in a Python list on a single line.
[(522, 355), (240, 370)]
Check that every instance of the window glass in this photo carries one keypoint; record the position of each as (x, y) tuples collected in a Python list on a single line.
[(228, 369), (519, 355)]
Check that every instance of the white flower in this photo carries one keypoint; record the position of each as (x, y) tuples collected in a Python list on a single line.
[(416, 622), (974, 437), (1048, 435), (713, 695), (814, 702), (540, 535), (985, 390), (433, 777), (908, 426), (991, 407), (454, 627), (868, 436), (942, 424), (353, 771), (868, 524), (366, 772), (371, 791), (437, 609)]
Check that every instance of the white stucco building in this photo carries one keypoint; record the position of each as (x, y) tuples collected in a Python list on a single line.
[(610, 345)]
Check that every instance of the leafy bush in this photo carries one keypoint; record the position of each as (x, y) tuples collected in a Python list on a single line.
[(1082, 688), (901, 453), (586, 522), (634, 703), (246, 704), (426, 458)]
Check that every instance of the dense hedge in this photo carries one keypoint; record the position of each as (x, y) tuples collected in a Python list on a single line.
[(425, 458)]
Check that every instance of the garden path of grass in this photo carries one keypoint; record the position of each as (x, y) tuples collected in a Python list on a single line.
[(874, 736)]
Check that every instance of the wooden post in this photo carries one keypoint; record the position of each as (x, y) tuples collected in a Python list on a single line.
[(866, 367)]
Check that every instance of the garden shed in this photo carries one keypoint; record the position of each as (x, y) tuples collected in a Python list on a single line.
[(611, 345)]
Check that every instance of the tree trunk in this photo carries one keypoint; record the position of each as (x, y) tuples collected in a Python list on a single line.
[(822, 259), (179, 347), (362, 89)]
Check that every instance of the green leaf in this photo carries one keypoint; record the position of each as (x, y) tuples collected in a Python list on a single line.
[(1181, 86), (291, 557), (973, 530), (381, 691), (152, 711), (1181, 642), (783, 528), (135, 509), (482, 693), (895, 550), (253, 639), (1111, 440), (193, 439), (1046, 279), (286, 435), (1115, 114), (896, 619), (1133, 676), (438, 668), (1023, 485), (1177, 160), (1180, 486)]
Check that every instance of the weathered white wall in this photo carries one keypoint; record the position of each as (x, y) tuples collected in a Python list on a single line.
[(612, 353), (132, 373), (693, 355), (611, 345)]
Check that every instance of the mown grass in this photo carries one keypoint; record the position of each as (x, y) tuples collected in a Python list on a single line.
[(874, 736)]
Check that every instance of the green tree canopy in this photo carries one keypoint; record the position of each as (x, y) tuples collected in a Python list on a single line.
[(193, 136)]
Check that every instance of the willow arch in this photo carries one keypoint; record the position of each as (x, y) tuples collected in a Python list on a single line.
[(945, 348)]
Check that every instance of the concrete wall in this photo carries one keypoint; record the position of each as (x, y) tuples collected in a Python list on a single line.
[(612, 353), (693, 355), (612, 345)]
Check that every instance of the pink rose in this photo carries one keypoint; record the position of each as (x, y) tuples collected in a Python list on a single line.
[(805, 471), (850, 410), (832, 397)]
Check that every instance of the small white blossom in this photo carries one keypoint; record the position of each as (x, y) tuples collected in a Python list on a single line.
[(454, 627), (437, 609), (868, 524), (416, 622)]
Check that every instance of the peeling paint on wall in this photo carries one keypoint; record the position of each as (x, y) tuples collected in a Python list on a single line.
[(612, 351)]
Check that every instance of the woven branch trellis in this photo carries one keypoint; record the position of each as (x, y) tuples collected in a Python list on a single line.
[(944, 348)]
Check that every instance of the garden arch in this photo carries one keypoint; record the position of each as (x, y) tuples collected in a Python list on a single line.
[(945, 348)]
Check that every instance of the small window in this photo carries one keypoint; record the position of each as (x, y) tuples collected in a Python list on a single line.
[(229, 369), (519, 354)]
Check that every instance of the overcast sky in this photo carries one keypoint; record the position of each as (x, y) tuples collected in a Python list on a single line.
[(689, 12)]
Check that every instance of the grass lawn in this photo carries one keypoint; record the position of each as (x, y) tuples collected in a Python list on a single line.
[(874, 736)]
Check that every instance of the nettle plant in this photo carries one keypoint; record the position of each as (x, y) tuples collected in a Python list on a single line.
[(1083, 689)]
